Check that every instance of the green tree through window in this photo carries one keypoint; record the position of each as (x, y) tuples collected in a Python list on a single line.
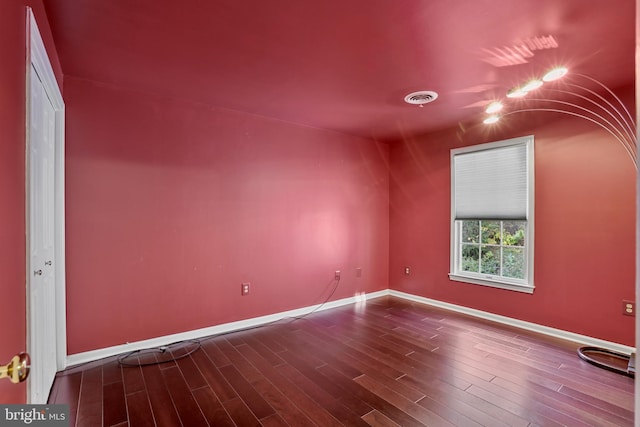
[(495, 248)]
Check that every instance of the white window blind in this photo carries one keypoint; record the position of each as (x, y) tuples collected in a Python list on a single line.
[(491, 183)]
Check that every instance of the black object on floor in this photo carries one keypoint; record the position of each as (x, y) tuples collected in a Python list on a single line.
[(590, 354)]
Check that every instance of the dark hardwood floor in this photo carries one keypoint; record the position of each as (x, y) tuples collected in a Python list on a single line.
[(388, 362)]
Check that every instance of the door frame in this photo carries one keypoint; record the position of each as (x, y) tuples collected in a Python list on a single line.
[(37, 57)]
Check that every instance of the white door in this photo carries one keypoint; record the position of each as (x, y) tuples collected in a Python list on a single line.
[(42, 295)]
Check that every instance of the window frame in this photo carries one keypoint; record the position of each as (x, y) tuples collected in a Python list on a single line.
[(455, 273)]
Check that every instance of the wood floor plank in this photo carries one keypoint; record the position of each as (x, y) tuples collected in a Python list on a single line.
[(211, 407), (374, 401), (416, 411), (140, 414), (274, 421), (481, 411), (235, 339), (409, 366), (566, 405), (91, 399), (414, 341), (265, 351), (255, 402), (330, 352), (295, 395), (293, 345), (361, 349), (215, 380), (190, 372), (592, 374), (214, 353), (114, 406), (239, 362), (389, 362), (333, 354), (598, 403), (132, 378), (159, 398), (604, 392), (497, 368), (450, 413), (240, 413), (185, 404), (378, 419), (269, 337), (491, 393), (332, 386), (438, 361), (335, 407), (111, 372), (68, 392), (281, 404), (350, 354)]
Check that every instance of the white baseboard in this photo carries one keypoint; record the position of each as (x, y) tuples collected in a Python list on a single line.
[(90, 356), (534, 327)]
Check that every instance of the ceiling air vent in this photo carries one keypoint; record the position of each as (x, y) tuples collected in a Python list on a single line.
[(421, 97)]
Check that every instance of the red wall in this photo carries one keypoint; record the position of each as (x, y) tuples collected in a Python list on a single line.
[(12, 180), (584, 226), (172, 205)]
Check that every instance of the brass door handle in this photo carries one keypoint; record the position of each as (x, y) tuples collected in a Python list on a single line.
[(17, 370)]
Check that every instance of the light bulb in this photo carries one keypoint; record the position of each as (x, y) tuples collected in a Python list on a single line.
[(555, 74), (516, 93), (532, 85), (494, 107)]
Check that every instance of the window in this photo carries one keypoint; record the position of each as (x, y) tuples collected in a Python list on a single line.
[(492, 214)]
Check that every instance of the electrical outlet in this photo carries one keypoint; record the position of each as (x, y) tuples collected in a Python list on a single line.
[(407, 270), (358, 272), (245, 288), (337, 276), (628, 307)]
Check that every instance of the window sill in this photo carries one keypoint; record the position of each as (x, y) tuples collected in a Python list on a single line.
[(494, 284)]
